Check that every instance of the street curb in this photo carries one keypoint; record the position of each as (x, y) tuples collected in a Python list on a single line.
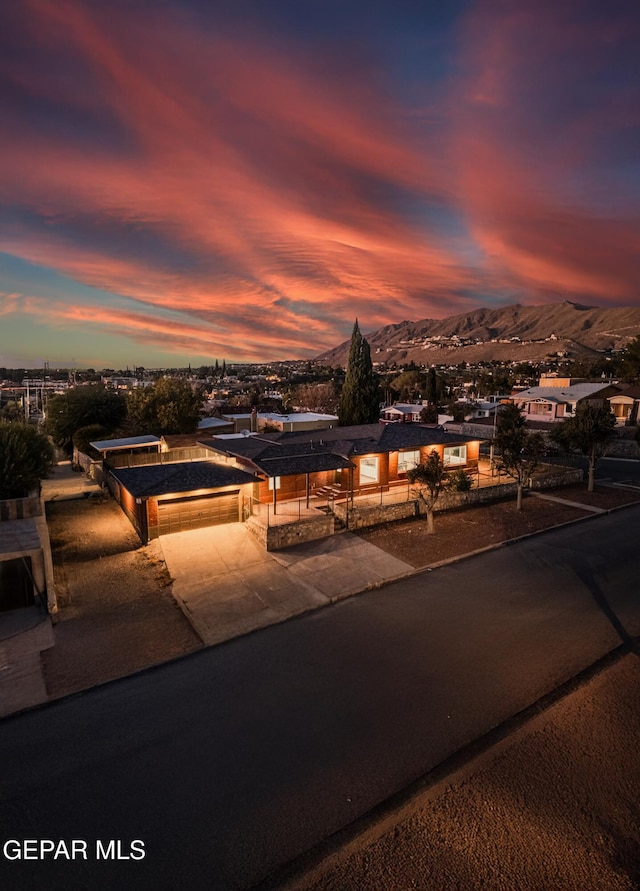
[(373, 586)]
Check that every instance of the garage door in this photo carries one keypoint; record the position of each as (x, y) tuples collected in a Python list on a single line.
[(180, 514)]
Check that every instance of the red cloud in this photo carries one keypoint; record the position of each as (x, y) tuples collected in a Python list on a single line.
[(244, 191), (539, 195)]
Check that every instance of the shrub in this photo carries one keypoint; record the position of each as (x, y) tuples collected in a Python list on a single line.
[(460, 481)]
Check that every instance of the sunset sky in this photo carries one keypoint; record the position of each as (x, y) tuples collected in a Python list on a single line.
[(186, 181)]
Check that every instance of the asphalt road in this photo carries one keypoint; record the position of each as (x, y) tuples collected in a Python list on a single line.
[(611, 469), (231, 761)]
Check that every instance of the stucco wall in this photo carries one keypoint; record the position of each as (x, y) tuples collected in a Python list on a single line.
[(20, 508)]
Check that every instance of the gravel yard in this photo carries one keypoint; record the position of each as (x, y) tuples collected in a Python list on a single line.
[(116, 611), (463, 531)]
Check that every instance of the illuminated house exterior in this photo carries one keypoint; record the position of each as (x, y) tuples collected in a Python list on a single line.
[(342, 459), (169, 496)]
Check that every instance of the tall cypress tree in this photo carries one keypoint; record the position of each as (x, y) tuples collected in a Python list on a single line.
[(359, 400)]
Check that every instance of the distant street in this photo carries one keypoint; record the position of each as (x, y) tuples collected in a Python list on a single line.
[(231, 761), (618, 469), (613, 469)]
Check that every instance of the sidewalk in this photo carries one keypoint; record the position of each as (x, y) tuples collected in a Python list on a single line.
[(66, 484), (24, 634), (228, 585), (578, 504)]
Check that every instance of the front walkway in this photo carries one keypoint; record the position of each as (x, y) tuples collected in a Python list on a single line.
[(579, 504), (228, 585)]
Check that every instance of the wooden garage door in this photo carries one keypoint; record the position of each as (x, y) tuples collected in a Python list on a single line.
[(193, 513)]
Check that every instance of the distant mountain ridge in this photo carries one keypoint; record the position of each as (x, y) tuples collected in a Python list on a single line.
[(518, 333)]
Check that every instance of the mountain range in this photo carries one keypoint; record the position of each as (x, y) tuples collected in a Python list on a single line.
[(512, 333)]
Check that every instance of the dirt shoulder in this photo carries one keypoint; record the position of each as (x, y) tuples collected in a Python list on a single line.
[(554, 807), (464, 531), (116, 611)]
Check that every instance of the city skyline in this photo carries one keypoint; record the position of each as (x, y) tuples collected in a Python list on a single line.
[(188, 181)]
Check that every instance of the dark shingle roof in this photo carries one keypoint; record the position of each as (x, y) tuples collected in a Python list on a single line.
[(165, 479), (378, 437), (283, 454), (294, 458)]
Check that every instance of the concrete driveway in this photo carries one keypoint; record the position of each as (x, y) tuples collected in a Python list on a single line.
[(228, 585)]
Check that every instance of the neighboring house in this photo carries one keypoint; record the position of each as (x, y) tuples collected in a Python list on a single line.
[(27, 596), (626, 405), (482, 410), (555, 403), (215, 426), (257, 421), (127, 445), (344, 459), (26, 570), (402, 412), (162, 498)]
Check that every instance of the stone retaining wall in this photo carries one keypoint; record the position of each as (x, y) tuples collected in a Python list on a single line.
[(623, 448), (274, 538), (363, 517)]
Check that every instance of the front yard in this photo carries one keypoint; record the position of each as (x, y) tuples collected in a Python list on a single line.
[(460, 532), (117, 614)]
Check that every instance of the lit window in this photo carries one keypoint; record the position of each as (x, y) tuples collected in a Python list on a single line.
[(455, 455), (369, 471), (408, 460)]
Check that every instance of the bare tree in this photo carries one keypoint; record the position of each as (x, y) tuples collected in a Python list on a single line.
[(519, 451), (429, 479)]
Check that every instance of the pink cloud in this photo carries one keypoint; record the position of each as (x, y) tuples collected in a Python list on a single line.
[(242, 189), (297, 229), (527, 143)]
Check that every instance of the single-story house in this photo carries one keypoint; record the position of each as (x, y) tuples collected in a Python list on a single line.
[(556, 403), (626, 405), (257, 421), (402, 412), (26, 570), (344, 459), (215, 425), (162, 498), (127, 445)]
